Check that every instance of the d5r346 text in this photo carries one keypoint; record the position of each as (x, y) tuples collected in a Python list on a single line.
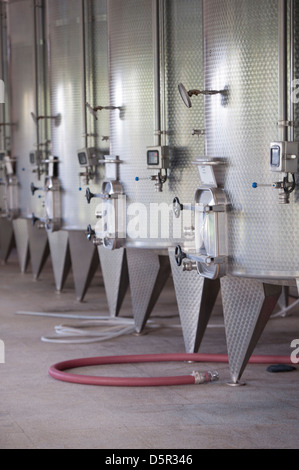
[(168, 459)]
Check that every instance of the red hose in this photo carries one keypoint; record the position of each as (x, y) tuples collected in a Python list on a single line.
[(57, 371)]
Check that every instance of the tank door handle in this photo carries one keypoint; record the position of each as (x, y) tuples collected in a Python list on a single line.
[(89, 196), (177, 207)]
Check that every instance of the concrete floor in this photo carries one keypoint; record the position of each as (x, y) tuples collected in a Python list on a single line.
[(38, 412)]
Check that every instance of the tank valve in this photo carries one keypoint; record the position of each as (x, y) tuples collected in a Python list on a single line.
[(41, 224), (34, 189), (57, 118), (89, 196), (179, 256), (159, 182), (189, 266), (95, 109), (285, 187), (91, 236), (90, 233), (186, 95), (258, 185)]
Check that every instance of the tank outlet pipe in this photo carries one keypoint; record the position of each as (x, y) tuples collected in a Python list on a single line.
[(36, 77), (283, 69), (3, 41), (84, 79), (157, 70), (292, 67), (285, 187), (159, 152)]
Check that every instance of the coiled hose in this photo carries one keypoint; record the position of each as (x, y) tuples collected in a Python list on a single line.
[(58, 371)]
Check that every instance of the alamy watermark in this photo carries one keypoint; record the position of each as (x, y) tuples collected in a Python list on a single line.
[(139, 221), (295, 353), (2, 92), (2, 352)]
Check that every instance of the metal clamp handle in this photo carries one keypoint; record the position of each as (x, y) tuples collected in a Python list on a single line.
[(90, 233), (177, 207)]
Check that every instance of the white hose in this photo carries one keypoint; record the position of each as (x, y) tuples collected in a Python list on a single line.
[(76, 334), (113, 327), (283, 312), (65, 334)]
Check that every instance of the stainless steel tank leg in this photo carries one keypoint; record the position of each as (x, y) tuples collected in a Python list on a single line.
[(85, 262), (196, 297), (148, 274), (21, 232), (6, 239), (39, 249), (114, 269), (247, 307), (60, 256)]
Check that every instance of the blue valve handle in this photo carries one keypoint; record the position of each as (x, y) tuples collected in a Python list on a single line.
[(257, 185)]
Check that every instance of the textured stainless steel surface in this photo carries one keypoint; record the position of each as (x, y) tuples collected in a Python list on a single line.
[(262, 234), (247, 307), (6, 239), (132, 87), (24, 85), (148, 273), (60, 255), (68, 97), (21, 233), (6, 227), (39, 249), (78, 58), (114, 269), (85, 262), (196, 298), (4, 106)]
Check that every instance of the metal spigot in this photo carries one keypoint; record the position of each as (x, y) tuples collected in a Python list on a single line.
[(34, 189), (41, 223), (91, 236), (186, 95), (189, 266), (56, 118), (95, 109)]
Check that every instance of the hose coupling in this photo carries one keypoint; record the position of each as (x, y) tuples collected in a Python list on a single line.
[(205, 377)]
